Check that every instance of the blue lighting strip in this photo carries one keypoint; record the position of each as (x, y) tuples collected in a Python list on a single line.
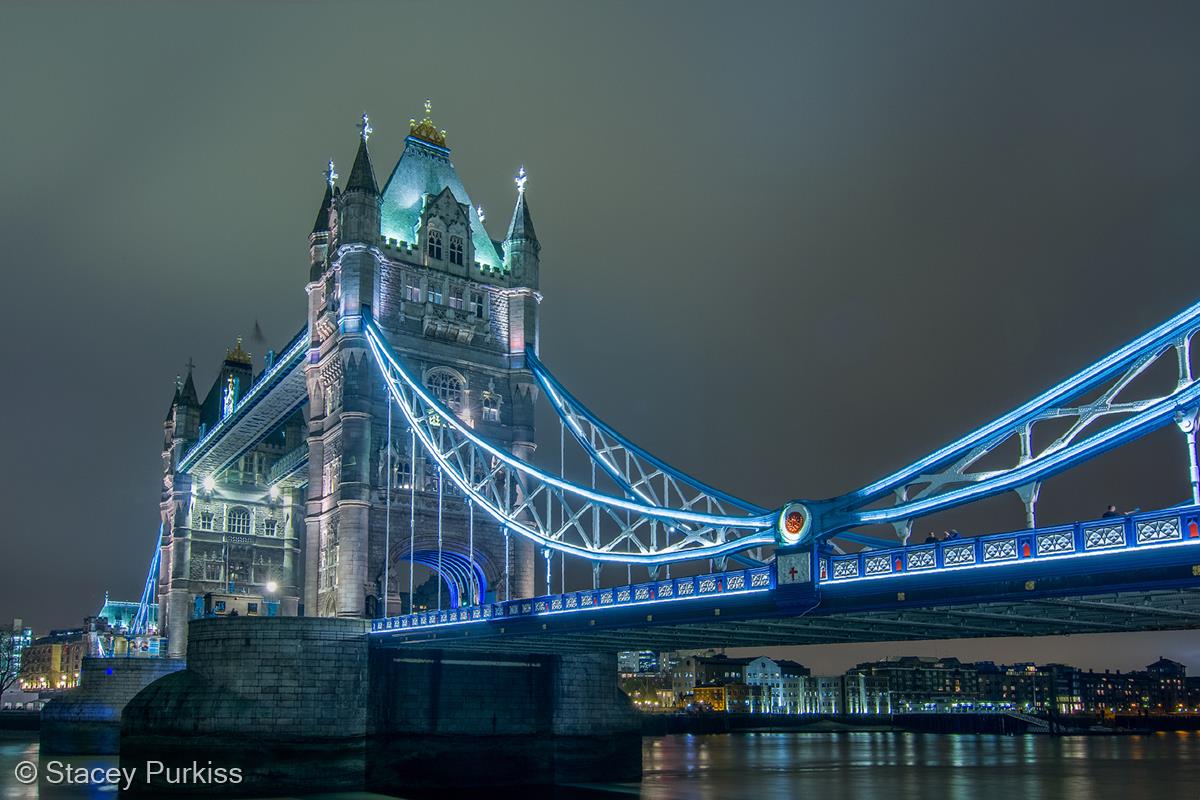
[(761, 529), (1165, 335), (1172, 527), (562, 400), (292, 357), (141, 620), (677, 590)]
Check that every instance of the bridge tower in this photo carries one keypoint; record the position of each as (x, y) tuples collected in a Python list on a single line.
[(461, 308)]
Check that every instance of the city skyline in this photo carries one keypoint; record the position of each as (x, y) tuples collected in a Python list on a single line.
[(763, 321)]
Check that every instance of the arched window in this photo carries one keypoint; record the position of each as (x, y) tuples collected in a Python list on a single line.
[(270, 527), (434, 243), (239, 521), (491, 407), (456, 250), (206, 520), (446, 386)]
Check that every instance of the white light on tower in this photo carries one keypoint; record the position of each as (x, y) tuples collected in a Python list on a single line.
[(272, 586), (209, 483), (274, 492)]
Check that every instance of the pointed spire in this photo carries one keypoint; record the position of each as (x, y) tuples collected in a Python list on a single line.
[(187, 395), (362, 174), (521, 226), (322, 223)]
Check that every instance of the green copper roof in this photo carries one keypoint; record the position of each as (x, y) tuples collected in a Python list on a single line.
[(423, 169)]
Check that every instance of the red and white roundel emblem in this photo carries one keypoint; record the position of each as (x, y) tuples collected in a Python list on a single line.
[(794, 522)]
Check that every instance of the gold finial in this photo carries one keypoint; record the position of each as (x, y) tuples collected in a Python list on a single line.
[(238, 355), (425, 130)]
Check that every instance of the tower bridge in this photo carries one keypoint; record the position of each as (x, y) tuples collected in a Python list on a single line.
[(397, 428)]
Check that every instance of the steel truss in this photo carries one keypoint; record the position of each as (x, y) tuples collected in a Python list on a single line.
[(687, 523), (950, 476)]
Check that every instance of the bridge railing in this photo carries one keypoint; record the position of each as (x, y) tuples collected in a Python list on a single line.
[(1172, 526), (734, 582)]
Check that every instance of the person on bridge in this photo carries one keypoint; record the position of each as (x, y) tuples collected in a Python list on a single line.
[(1111, 511), (931, 539)]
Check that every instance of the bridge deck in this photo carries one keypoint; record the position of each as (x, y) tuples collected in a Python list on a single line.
[(1144, 582)]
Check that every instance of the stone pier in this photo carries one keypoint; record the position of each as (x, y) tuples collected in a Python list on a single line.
[(87, 719), (459, 720), (304, 704), (282, 699)]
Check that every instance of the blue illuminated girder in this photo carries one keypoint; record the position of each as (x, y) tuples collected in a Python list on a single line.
[(554, 512), (944, 478)]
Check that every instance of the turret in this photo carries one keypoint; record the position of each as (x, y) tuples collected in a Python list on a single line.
[(318, 240), (357, 224), (359, 201), (521, 246)]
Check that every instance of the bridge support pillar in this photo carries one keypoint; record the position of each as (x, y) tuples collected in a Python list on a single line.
[(87, 719), (540, 720), (303, 705)]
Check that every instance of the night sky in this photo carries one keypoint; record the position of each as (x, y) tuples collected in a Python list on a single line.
[(789, 247)]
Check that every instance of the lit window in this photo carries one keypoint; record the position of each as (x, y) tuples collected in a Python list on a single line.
[(206, 520), (412, 289), (434, 294), (434, 246), (456, 298), (239, 520), (477, 305), (456, 250), (491, 407), (447, 387)]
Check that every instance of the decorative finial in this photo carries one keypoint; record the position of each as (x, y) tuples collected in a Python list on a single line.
[(425, 129), (191, 365), (330, 174), (521, 180), (238, 355), (178, 383), (479, 211), (365, 127)]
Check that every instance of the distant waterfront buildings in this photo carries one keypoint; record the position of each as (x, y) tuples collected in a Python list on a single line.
[(903, 684), (52, 662)]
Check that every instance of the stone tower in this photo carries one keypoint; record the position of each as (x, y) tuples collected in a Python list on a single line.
[(461, 310)]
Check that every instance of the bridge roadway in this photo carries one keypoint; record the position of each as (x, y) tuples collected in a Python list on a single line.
[(1134, 573)]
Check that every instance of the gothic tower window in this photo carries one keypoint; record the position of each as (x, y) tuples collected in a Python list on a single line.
[(434, 245), (491, 407), (477, 305), (412, 289), (456, 250), (446, 386), (270, 527), (206, 520), (239, 520), (456, 298), (434, 293)]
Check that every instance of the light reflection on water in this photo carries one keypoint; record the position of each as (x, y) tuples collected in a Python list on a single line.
[(862, 766)]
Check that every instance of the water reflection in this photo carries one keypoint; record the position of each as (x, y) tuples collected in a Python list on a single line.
[(831, 766)]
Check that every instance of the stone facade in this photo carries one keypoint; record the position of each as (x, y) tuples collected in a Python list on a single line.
[(462, 310)]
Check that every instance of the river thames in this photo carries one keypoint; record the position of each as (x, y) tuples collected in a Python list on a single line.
[(863, 766)]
